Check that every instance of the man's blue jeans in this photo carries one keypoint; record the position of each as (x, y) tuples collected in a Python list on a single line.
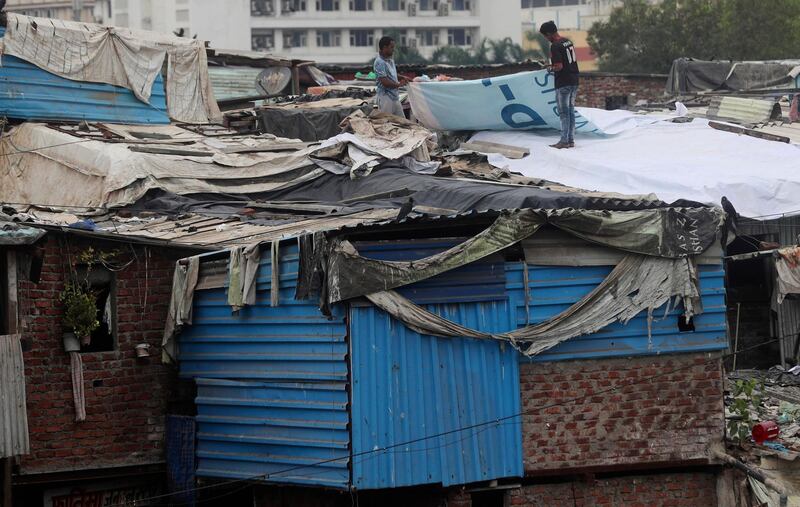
[(565, 99)]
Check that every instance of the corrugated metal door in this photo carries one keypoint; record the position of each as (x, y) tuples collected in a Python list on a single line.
[(408, 387), (271, 385)]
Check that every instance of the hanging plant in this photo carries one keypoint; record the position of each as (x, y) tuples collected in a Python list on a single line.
[(80, 311)]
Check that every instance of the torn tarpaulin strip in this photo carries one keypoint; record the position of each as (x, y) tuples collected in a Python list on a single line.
[(637, 283), (351, 275), (242, 273), (184, 282), (667, 232), (274, 286)]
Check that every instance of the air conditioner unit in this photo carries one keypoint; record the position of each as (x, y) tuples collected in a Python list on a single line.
[(444, 9), (412, 9)]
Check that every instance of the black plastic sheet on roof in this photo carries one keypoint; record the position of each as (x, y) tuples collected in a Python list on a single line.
[(688, 75)]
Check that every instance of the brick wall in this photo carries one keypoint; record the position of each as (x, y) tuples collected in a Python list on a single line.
[(694, 489), (125, 397), (671, 418)]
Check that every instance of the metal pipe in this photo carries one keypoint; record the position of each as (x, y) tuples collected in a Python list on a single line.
[(736, 339), (756, 474)]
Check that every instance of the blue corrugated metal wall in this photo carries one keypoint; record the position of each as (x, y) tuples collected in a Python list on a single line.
[(408, 387), (272, 385), (30, 93), (553, 289)]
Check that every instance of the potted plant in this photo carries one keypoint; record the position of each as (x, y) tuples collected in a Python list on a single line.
[(80, 314)]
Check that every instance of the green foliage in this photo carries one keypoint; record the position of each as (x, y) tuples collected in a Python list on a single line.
[(80, 309), (80, 302), (746, 405), (453, 55), (640, 36)]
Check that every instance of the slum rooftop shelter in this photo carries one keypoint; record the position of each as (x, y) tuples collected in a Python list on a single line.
[(391, 307)]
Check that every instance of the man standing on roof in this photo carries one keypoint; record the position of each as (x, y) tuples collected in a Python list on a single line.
[(564, 64), (388, 96)]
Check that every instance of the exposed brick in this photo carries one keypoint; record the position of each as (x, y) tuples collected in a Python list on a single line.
[(640, 422), (116, 430), (691, 489)]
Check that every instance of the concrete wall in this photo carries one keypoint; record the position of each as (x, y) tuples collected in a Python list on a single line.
[(126, 397)]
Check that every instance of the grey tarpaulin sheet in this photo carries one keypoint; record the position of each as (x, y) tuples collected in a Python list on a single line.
[(392, 186), (184, 282), (118, 56), (14, 439), (242, 272), (306, 124), (637, 283), (669, 232), (14, 234), (688, 75)]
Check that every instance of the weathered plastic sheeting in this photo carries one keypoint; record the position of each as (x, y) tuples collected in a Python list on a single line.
[(272, 385), (553, 289), (407, 386), (30, 93), (478, 281)]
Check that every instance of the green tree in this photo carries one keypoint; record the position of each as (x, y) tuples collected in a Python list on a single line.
[(405, 54), (644, 37), (453, 55)]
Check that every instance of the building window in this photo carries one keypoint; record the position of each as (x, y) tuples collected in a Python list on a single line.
[(428, 37), (402, 38), (295, 39), (289, 6), (459, 37), (360, 5), (394, 5), (362, 38), (102, 283), (262, 7), (262, 40), (327, 5), (428, 5), (329, 38), (462, 5), (530, 4)]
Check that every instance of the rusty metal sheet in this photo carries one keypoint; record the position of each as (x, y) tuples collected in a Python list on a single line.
[(13, 412)]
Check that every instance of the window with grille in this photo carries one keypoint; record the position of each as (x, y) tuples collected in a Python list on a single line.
[(428, 5), (327, 5), (459, 37), (290, 6), (262, 7), (462, 5), (362, 38), (360, 5), (262, 40), (329, 38), (295, 39), (428, 37), (394, 5)]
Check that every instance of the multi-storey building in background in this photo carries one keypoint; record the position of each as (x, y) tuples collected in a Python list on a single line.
[(328, 31), (80, 10)]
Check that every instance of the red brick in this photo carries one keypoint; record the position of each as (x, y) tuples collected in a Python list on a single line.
[(116, 431)]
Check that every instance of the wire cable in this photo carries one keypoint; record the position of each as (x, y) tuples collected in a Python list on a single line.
[(622, 384)]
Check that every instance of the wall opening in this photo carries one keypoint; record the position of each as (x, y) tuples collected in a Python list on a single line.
[(102, 282)]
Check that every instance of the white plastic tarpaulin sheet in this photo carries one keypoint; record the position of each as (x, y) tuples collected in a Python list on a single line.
[(118, 56), (673, 160), (523, 101)]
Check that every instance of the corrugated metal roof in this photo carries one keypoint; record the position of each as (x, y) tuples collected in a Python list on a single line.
[(742, 110), (208, 232), (13, 410), (30, 93), (234, 82), (272, 385)]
